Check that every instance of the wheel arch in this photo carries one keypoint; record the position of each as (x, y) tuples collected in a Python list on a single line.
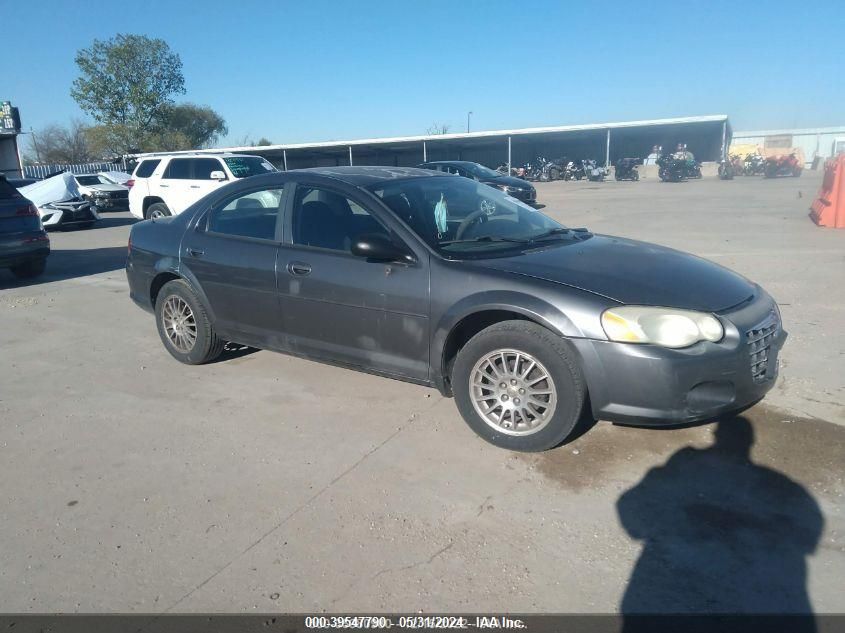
[(476, 313), (148, 201), (168, 271)]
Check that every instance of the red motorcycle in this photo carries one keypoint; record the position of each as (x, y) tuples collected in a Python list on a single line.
[(782, 166)]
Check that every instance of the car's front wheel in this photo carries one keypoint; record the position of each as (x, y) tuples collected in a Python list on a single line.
[(519, 386), (184, 326)]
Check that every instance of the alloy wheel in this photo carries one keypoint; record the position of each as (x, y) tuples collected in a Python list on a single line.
[(513, 392), (179, 323)]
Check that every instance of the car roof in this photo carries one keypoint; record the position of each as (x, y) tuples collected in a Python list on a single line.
[(195, 155), (365, 176), (451, 162)]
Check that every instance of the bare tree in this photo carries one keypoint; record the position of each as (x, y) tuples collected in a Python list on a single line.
[(61, 144), (438, 128)]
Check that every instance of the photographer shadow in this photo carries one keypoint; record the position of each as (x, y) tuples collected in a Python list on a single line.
[(721, 535)]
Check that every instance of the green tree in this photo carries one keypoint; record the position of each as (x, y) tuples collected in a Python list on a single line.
[(127, 82), (189, 126), (263, 142)]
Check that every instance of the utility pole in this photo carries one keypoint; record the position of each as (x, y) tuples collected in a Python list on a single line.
[(469, 114)]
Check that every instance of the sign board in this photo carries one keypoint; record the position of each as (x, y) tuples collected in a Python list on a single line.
[(10, 119)]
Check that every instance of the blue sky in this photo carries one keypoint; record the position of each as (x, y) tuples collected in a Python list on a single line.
[(321, 70)]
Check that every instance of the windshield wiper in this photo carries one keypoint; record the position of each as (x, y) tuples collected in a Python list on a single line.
[(558, 230), (486, 238)]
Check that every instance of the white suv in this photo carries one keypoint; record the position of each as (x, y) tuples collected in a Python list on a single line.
[(167, 184)]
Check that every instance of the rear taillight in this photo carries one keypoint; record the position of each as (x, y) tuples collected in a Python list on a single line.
[(129, 183), (27, 211)]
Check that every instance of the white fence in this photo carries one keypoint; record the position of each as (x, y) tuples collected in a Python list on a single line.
[(42, 171)]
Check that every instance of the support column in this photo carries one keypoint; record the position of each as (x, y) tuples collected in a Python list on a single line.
[(724, 140), (425, 155), (350, 156), (285, 158), (509, 156), (607, 150)]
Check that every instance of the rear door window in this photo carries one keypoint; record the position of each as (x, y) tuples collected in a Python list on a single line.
[(178, 169), (146, 168)]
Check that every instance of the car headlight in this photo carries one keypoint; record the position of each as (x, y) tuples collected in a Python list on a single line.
[(507, 188), (666, 327)]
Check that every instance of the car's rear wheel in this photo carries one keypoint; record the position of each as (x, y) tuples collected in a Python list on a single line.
[(519, 386), (30, 269), (184, 326), (158, 210)]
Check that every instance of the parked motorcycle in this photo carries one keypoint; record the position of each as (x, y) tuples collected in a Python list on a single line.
[(626, 169), (726, 169), (573, 171), (593, 171), (671, 169), (782, 166), (754, 165), (693, 168)]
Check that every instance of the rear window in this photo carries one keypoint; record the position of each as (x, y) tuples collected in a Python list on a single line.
[(243, 166), (146, 168), (7, 191)]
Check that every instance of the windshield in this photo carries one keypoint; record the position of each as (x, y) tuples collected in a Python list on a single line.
[(481, 171), (460, 217), (243, 166), (87, 181)]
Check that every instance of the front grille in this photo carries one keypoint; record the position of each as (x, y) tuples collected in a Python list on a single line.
[(118, 195), (759, 342)]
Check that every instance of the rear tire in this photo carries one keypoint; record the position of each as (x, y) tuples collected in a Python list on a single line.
[(30, 269), (552, 406), (184, 326), (157, 210)]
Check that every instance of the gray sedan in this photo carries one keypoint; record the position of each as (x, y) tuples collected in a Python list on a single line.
[(447, 282)]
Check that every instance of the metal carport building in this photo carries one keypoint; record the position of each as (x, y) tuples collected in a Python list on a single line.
[(705, 136)]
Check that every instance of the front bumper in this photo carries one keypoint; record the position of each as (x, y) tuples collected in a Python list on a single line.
[(111, 203), (651, 385), (67, 214)]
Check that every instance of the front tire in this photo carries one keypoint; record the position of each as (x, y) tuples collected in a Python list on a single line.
[(519, 386), (184, 326), (30, 269)]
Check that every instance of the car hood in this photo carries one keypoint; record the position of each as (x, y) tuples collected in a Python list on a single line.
[(510, 181), (632, 272)]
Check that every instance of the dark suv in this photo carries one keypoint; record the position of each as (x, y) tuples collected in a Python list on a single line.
[(514, 187), (24, 245), (447, 282)]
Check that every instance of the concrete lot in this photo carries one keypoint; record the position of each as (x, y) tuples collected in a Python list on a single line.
[(268, 483)]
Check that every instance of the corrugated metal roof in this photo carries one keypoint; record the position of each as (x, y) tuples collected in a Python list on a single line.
[(794, 131), (467, 135)]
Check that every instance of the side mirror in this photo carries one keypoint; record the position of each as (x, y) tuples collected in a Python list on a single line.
[(217, 175), (380, 248)]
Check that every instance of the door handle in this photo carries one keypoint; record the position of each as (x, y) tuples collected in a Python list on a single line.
[(299, 268), (163, 186), (195, 252), (195, 186)]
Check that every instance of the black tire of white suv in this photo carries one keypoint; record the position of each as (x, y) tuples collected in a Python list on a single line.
[(157, 210)]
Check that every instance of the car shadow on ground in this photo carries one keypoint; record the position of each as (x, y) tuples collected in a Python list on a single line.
[(232, 351), (102, 223), (720, 534), (66, 264)]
